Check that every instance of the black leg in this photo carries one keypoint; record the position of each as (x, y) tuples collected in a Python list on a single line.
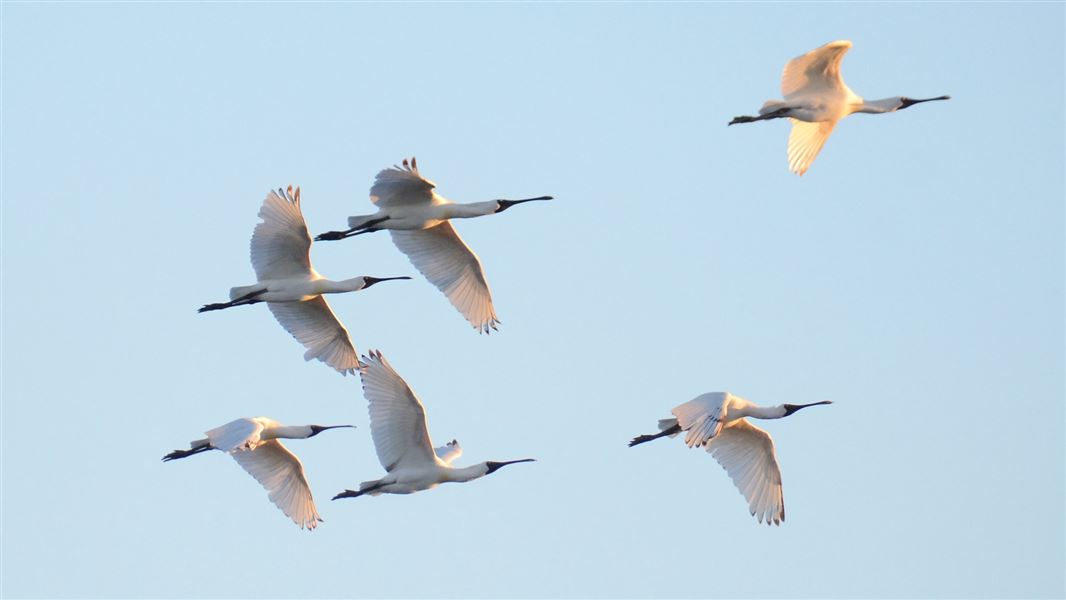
[(777, 114), (640, 439), (250, 298), (184, 453), (367, 227)]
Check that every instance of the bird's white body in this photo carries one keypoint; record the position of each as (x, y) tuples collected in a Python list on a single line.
[(815, 99), (418, 219), (292, 288), (253, 443), (401, 438), (718, 422)]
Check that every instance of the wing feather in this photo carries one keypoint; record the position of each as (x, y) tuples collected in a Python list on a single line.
[(282, 474), (398, 186), (448, 263), (805, 142), (239, 433), (397, 417), (315, 326), (280, 246), (747, 454), (815, 71), (700, 418)]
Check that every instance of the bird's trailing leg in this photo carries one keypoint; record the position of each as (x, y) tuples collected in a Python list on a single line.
[(367, 227), (249, 298), (777, 114), (640, 439), (184, 453), (355, 494)]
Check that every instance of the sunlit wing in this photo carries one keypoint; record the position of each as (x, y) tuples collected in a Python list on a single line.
[(282, 474), (815, 71), (401, 186), (315, 326), (747, 454), (397, 417), (449, 452), (448, 263), (235, 434), (700, 418), (280, 244), (805, 142)]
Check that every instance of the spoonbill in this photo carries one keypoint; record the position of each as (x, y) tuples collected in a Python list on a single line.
[(292, 288), (253, 443), (716, 422), (816, 97), (418, 219), (398, 426)]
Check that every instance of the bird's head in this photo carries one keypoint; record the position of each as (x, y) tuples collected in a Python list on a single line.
[(496, 466), (317, 429), (502, 205), (905, 102), (791, 408), (369, 281)]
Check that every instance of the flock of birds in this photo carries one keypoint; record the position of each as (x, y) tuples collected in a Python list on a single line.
[(419, 220)]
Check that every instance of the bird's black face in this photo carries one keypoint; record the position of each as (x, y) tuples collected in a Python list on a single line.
[(369, 281), (905, 101), (505, 204), (791, 408), (317, 429), (496, 466)]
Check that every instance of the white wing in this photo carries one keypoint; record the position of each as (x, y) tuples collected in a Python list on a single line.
[(315, 326), (282, 474), (805, 142), (700, 418), (448, 263), (280, 244), (401, 186), (815, 71), (397, 417), (449, 452), (240, 433), (747, 454)]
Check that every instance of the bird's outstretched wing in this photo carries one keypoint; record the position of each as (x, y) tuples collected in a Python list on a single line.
[(315, 326), (700, 418), (282, 474), (239, 433), (449, 452), (448, 263), (805, 142), (815, 71), (397, 417), (281, 244), (401, 186), (747, 454)]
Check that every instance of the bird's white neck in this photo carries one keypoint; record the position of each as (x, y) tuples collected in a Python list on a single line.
[(468, 473), (883, 105), (296, 432), (328, 286), (762, 412), (472, 209)]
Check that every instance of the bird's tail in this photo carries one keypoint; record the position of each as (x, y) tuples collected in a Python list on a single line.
[(359, 221), (771, 105), (243, 290)]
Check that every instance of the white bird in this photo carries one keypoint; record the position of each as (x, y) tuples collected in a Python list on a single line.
[(253, 443), (292, 288), (716, 422), (398, 426), (418, 219), (816, 97)]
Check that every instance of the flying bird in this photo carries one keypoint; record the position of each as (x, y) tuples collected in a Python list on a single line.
[(716, 422), (292, 288), (816, 97), (398, 426), (419, 220), (253, 443)]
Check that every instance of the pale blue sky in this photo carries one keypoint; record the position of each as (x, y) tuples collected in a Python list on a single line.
[(915, 276)]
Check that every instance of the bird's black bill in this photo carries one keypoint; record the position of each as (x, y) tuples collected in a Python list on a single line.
[(369, 281), (905, 102), (505, 204), (496, 466), (791, 408), (317, 429)]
